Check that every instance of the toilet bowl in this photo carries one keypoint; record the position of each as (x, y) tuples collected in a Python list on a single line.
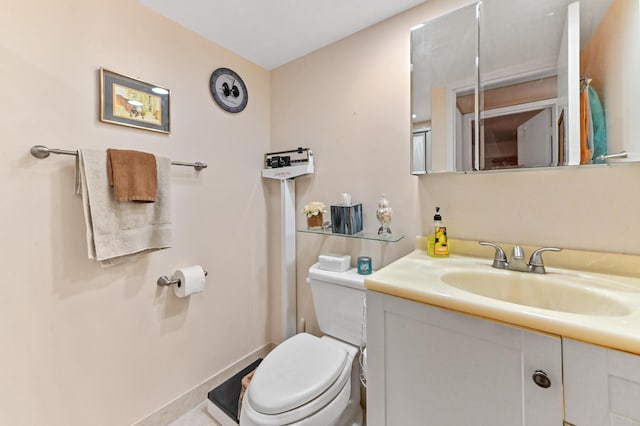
[(309, 380)]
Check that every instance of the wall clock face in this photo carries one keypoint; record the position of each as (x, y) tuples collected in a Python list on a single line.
[(228, 90)]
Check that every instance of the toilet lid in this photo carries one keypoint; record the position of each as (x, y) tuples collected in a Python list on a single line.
[(294, 373)]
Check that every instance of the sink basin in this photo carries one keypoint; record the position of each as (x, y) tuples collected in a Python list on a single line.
[(560, 294)]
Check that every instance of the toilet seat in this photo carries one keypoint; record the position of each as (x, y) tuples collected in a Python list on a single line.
[(299, 378), (327, 415)]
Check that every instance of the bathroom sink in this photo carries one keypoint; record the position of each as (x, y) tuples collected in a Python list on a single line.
[(588, 305), (561, 294)]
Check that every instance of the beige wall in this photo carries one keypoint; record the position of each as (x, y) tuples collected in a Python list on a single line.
[(349, 102), (82, 345), (612, 60), (439, 129)]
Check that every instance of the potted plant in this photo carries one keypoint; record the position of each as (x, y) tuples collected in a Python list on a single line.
[(314, 211)]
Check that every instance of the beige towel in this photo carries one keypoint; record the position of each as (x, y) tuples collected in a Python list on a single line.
[(133, 175), (118, 232)]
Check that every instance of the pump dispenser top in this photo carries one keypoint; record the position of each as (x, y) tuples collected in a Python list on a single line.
[(437, 219)]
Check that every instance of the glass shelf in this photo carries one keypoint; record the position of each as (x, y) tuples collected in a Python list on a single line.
[(363, 235)]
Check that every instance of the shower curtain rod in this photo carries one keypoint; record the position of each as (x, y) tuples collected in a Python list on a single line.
[(40, 151)]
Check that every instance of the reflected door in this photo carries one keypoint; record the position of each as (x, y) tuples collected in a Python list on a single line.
[(535, 140)]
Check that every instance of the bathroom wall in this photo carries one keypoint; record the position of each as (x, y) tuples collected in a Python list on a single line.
[(83, 345), (611, 59), (349, 102)]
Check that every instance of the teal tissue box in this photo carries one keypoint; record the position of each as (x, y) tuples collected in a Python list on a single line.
[(346, 219)]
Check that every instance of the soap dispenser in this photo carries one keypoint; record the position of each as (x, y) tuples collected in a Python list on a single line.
[(437, 243)]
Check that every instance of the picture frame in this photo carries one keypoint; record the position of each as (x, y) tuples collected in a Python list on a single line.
[(130, 102)]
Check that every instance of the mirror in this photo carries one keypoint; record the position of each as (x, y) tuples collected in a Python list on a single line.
[(437, 74), (554, 85)]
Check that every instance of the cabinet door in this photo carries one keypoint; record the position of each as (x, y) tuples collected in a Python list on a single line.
[(602, 386), (431, 366)]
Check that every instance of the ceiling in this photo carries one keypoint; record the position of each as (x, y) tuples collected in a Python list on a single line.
[(274, 32)]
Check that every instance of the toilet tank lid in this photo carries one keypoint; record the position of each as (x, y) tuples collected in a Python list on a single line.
[(294, 373), (348, 278)]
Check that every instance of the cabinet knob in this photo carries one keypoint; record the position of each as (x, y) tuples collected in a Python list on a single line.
[(541, 379)]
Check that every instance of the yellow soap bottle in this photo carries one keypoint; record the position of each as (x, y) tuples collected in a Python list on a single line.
[(437, 242)]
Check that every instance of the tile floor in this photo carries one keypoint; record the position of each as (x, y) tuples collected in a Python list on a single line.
[(198, 416)]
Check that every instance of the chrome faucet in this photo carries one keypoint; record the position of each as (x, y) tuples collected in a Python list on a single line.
[(517, 262)]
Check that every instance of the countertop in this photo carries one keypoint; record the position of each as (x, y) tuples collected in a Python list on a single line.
[(416, 277)]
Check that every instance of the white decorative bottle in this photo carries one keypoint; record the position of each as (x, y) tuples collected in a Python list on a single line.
[(383, 214)]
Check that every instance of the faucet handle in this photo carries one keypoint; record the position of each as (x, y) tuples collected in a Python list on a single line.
[(500, 259), (535, 262)]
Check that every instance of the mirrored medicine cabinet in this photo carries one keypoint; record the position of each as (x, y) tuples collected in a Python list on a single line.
[(503, 85)]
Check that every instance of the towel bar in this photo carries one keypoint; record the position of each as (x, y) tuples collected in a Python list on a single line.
[(166, 281), (40, 151), (621, 154)]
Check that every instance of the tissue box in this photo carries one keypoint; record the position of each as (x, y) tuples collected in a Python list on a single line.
[(334, 262), (346, 219)]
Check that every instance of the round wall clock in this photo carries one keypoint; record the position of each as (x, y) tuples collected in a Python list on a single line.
[(228, 90)]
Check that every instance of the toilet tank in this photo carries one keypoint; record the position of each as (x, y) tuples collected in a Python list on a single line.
[(338, 299)]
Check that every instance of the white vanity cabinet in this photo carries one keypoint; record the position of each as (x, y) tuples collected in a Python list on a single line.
[(431, 366), (601, 386)]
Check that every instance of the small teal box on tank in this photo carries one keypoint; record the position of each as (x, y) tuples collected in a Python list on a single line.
[(364, 265)]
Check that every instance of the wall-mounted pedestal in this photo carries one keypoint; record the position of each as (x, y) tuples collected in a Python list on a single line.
[(300, 164)]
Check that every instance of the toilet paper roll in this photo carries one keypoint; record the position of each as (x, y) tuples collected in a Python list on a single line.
[(191, 280)]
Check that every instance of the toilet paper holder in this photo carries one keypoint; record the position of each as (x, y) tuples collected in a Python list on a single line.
[(166, 281)]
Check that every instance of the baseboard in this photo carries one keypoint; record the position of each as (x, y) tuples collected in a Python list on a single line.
[(198, 394)]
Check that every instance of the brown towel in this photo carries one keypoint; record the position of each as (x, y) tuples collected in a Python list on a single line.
[(133, 175)]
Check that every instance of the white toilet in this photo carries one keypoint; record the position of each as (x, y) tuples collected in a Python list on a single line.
[(309, 380)]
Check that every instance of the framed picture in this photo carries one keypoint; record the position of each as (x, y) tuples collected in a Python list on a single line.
[(130, 102)]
